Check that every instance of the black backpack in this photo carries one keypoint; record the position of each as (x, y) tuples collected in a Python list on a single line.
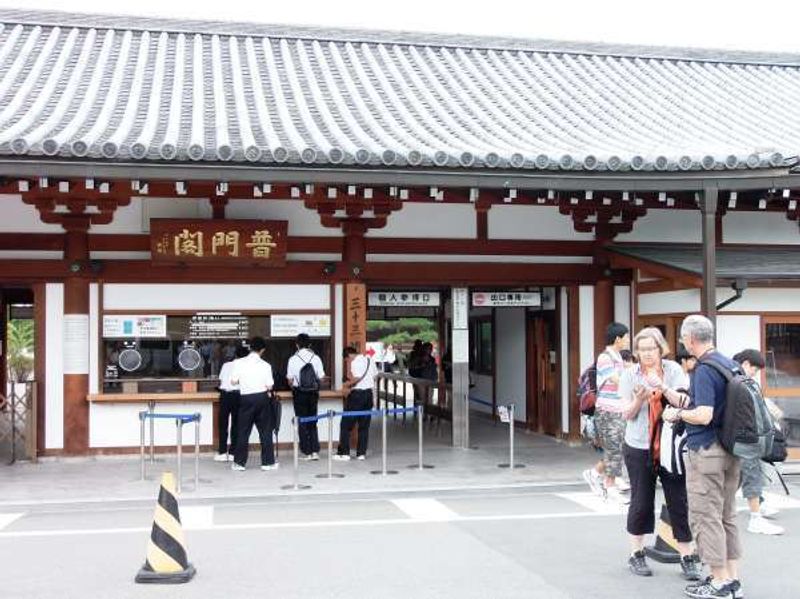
[(308, 381), (747, 430)]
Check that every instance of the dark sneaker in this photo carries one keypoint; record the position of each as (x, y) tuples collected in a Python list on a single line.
[(638, 564), (736, 590), (690, 567), (701, 582), (707, 590)]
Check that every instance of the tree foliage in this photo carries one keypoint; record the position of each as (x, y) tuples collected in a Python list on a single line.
[(20, 344)]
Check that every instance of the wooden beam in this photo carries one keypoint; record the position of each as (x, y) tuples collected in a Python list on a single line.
[(660, 270), (661, 285)]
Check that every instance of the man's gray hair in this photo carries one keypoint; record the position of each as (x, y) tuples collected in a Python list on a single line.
[(698, 328)]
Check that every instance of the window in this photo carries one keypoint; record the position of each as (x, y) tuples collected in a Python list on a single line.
[(481, 350), (782, 355)]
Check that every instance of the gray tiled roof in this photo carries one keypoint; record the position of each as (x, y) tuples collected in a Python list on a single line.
[(127, 89), (732, 263)]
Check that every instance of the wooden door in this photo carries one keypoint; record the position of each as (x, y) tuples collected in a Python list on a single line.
[(542, 400)]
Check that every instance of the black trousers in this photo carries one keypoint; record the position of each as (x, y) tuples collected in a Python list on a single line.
[(360, 399), (305, 404), (253, 411), (641, 512), (228, 411)]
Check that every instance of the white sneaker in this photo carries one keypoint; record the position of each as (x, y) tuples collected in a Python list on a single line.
[(623, 485), (614, 494), (237, 468), (759, 525), (311, 457), (768, 511), (274, 466), (594, 480), (230, 457), (341, 458), (361, 457), (221, 457)]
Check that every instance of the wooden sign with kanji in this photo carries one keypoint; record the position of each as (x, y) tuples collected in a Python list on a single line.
[(231, 242)]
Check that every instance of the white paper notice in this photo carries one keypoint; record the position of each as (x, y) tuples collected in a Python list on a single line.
[(460, 308), (460, 346), (76, 344)]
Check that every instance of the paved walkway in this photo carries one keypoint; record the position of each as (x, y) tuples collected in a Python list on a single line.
[(103, 478)]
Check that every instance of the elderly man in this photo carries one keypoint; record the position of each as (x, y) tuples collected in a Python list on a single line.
[(712, 474)]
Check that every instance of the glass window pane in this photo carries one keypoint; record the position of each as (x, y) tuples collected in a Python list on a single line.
[(783, 355)]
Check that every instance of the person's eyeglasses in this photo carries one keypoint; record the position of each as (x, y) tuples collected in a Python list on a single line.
[(647, 348)]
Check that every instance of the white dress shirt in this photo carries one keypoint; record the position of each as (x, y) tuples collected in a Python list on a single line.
[(300, 359), (225, 382), (363, 365), (252, 374)]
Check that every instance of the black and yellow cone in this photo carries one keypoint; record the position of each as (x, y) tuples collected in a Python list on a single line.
[(665, 549), (166, 561)]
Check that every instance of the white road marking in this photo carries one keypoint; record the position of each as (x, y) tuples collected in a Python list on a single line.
[(196, 517), (781, 501), (597, 504), (6, 519), (426, 509)]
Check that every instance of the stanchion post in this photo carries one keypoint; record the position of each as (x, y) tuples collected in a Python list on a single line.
[(330, 414), (141, 441), (179, 435), (151, 407), (296, 486), (383, 471), (466, 421), (511, 436), (196, 450), (420, 417)]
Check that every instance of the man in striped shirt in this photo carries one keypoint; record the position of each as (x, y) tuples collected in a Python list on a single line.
[(608, 414)]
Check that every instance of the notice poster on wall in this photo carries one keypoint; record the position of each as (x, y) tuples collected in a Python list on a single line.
[(404, 298), (131, 326), (219, 325), (506, 299), (291, 325), (76, 344), (460, 308)]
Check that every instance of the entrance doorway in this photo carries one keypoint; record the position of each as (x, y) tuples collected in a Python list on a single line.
[(543, 408)]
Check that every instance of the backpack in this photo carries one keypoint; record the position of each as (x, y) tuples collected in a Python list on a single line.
[(587, 390), (308, 380), (747, 430)]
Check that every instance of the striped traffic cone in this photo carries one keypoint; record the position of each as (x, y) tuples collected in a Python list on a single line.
[(665, 549), (166, 561)]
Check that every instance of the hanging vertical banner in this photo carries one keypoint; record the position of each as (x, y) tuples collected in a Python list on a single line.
[(356, 315), (76, 344), (460, 308)]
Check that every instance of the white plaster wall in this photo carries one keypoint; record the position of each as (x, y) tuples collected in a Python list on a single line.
[(511, 367), (94, 338), (586, 325), (565, 373), (171, 208), (22, 218), (30, 254), (119, 255), (759, 228), (129, 220), (215, 297), (738, 332), (622, 305), (433, 220), (478, 259), (482, 390), (531, 222), (688, 300), (666, 226), (302, 221), (54, 366)]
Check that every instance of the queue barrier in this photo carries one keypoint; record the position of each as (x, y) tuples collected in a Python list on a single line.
[(506, 414), (180, 420), (329, 416)]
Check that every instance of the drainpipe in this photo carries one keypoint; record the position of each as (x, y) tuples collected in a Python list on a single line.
[(738, 286)]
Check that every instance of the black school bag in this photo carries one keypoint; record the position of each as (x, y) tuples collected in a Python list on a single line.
[(747, 430), (308, 381)]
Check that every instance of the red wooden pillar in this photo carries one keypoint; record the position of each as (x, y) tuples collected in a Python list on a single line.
[(76, 335)]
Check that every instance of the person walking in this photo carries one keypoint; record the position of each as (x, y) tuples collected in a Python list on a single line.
[(360, 381), (712, 474), (653, 450), (228, 408), (753, 476), (304, 373), (609, 421), (253, 375)]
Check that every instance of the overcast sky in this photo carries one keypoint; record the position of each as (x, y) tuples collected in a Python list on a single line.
[(767, 26)]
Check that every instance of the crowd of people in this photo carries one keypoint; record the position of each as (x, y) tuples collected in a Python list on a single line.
[(662, 419)]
